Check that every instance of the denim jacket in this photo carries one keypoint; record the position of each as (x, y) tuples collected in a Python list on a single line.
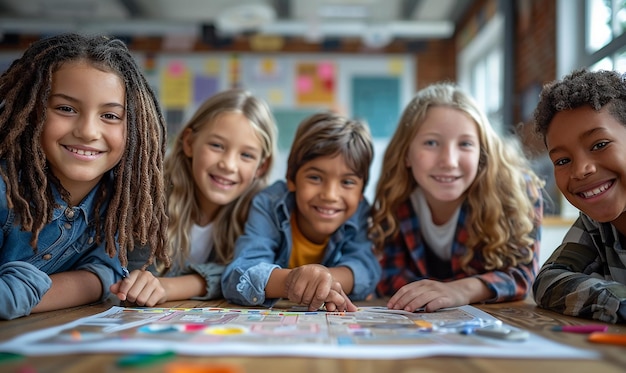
[(266, 245), (66, 243)]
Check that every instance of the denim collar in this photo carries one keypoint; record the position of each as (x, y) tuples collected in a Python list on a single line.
[(85, 207)]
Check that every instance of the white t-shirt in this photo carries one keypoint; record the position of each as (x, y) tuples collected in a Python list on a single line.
[(201, 243), (438, 238)]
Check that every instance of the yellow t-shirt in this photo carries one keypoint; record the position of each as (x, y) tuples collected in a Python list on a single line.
[(304, 251)]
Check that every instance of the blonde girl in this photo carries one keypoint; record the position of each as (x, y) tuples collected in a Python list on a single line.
[(218, 162), (457, 212)]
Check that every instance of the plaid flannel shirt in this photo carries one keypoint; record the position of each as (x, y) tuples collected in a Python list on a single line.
[(404, 259), (586, 274)]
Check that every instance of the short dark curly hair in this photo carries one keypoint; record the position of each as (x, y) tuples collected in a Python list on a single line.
[(582, 87)]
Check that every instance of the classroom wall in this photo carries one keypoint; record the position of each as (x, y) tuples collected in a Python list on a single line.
[(374, 89)]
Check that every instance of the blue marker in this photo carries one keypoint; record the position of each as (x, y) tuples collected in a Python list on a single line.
[(467, 330)]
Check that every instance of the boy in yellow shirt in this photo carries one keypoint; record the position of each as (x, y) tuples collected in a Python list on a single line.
[(306, 238)]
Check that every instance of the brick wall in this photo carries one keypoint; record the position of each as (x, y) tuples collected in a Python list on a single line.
[(435, 63), (535, 51)]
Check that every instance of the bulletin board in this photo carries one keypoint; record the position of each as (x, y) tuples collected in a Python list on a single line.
[(287, 121), (373, 88), (377, 99), (315, 83)]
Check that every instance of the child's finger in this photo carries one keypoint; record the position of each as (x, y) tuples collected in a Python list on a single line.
[(335, 301), (330, 306), (115, 289), (127, 284), (317, 294), (349, 306), (316, 304)]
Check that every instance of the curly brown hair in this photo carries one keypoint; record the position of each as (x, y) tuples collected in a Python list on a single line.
[(582, 87), (136, 210)]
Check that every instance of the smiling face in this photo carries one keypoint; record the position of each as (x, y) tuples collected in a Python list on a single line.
[(443, 156), (587, 150), (226, 155), (84, 134), (327, 193)]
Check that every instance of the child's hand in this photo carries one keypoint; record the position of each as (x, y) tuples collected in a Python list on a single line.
[(338, 301), (313, 285), (309, 284), (432, 295), (140, 287)]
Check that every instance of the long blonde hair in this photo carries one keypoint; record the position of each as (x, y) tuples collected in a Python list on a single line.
[(501, 215), (183, 207)]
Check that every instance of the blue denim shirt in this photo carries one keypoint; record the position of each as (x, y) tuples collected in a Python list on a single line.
[(66, 243), (266, 245)]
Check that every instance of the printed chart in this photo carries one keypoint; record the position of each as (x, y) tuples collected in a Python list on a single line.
[(372, 333)]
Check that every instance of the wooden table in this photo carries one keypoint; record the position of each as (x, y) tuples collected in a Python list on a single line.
[(523, 314)]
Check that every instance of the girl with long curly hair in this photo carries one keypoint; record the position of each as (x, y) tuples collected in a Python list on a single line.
[(457, 214)]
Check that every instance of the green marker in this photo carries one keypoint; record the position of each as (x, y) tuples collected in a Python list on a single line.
[(142, 359), (9, 356)]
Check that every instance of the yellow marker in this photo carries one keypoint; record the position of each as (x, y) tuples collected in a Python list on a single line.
[(225, 331), (423, 324)]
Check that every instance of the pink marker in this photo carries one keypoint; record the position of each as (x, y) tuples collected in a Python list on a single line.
[(584, 329)]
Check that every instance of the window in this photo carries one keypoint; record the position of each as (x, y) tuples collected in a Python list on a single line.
[(599, 45), (605, 23), (486, 86), (481, 71)]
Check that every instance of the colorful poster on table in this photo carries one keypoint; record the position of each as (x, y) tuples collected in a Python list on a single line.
[(369, 333)]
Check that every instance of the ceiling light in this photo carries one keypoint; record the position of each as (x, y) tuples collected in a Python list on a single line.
[(247, 17), (343, 11)]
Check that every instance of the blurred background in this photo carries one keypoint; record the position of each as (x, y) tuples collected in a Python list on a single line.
[(363, 58)]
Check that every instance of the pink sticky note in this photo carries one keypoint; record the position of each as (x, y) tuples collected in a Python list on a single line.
[(304, 84), (325, 70), (176, 68)]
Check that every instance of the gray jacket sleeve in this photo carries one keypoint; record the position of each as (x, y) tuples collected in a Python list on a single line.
[(212, 274)]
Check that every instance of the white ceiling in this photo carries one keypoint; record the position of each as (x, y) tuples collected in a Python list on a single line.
[(313, 18)]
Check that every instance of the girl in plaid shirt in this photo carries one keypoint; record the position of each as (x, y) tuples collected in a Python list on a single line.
[(457, 212)]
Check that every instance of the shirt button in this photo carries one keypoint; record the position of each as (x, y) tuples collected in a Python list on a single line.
[(69, 213), (254, 299), (67, 225), (47, 257)]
